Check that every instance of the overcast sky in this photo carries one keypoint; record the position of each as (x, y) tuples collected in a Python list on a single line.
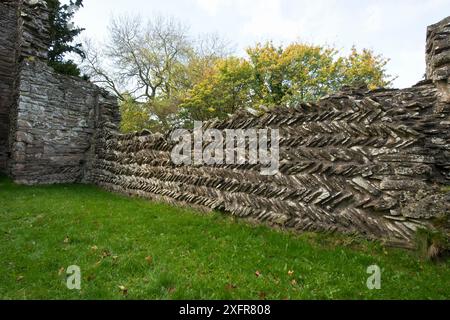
[(393, 28)]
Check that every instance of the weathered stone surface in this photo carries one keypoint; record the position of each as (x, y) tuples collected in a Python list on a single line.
[(33, 28), (349, 163), (438, 51), (8, 42), (56, 119), (24, 34), (47, 120), (423, 205)]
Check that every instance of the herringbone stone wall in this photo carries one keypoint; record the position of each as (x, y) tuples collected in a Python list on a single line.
[(356, 162)]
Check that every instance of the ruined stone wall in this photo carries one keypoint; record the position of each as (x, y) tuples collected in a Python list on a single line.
[(355, 162), (56, 119), (50, 118), (364, 162), (24, 34), (33, 37), (438, 71), (8, 52), (438, 51)]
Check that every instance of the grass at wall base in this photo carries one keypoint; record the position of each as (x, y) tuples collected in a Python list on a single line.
[(135, 249)]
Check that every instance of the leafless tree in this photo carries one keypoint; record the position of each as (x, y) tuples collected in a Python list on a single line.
[(212, 45), (142, 56), (147, 59), (95, 65)]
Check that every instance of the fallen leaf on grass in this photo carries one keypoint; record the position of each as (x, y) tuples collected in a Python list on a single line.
[(106, 254), (124, 290), (230, 286), (66, 240), (61, 271), (262, 295), (94, 248), (294, 282), (290, 273), (258, 274), (149, 260), (171, 290)]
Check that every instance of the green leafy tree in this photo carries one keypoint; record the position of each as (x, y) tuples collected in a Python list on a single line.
[(62, 35), (135, 115), (268, 74), (155, 115), (274, 76), (310, 72), (366, 67), (222, 92), (302, 72)]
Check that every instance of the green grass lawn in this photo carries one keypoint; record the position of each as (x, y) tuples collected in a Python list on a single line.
[(135, 249)]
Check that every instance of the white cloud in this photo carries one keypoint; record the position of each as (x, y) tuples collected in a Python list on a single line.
[(211, 6), (395, 29), (265, 18), (285, 20), (374, 18)]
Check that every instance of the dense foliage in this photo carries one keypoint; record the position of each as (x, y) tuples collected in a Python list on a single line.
[(273, 76), (62, 35)]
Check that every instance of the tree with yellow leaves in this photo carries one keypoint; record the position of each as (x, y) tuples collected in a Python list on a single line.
[(274, 76)]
